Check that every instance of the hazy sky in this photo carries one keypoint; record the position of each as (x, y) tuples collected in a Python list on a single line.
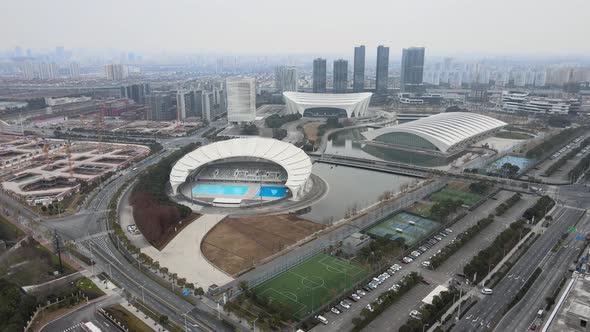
[(300, 26)]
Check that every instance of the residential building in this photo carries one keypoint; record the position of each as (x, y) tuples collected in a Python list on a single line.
[(74, 70), (241, 99), (340, 76), (160, 106), (286, 79), (382, 70), (412, 69), (358, 76), (319, 75), (116, 72)]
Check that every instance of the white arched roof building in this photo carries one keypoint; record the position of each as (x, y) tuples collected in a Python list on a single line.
[(445, 132), (295, 161), (352, 103)]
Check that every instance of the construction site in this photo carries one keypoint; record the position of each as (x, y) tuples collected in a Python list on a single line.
[(43, 172)]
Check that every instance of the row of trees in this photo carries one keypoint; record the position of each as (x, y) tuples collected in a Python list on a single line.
[(381, 251), (580, 168), (460, 241), (539, 210), (431, 313), (16, 307), (480, 187), (385, 300), (563, 160), (276, 121), (502, 208), (485, 260), (551, 143), (444, 208)]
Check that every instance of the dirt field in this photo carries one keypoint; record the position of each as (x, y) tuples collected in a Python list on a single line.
[(311, 130), (236, 244)]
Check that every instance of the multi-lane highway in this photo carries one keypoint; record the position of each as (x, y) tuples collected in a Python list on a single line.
[(487, 312)]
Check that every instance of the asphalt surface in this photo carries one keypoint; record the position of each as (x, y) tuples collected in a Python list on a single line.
[(484, 315), (397, 315), (555, 267), (87, 313)]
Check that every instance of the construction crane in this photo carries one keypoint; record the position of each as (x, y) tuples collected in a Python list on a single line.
[(69, 156), (100, 126)]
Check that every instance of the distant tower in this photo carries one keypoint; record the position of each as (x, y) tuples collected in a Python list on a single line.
[(286, 79), (381, 78), (412, 70), (319, 75), (241, 99), (340, 76), (358, 77)]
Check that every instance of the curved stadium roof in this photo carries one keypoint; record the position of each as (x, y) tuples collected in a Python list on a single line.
[(294, 160), (357, 103), (446, 131)]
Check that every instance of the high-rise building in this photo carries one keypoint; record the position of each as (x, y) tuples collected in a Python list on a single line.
[(160, 106), (27, 70), (137, 92), (74, 70), (412, 69), (241, 99), (358, 77), (340, 76), (184, 104), (286, 79), (116, 72), (319, 75), (48, 71), (207, 105), (381, 77)]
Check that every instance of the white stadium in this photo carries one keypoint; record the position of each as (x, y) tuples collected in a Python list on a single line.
[(241, 171), (444, 132), (354, 104)]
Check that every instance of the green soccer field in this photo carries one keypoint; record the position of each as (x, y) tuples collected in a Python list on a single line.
[(310, 284), (447, 193)]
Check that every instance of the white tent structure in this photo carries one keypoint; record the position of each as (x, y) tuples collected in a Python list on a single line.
[(355, 104), (292, 159)]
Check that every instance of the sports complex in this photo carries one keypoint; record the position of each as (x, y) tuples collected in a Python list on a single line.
[(242, 172)]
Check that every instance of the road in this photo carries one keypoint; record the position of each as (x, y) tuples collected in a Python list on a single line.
[(486, 313), (555, 267), (87, 313), (89, 226)]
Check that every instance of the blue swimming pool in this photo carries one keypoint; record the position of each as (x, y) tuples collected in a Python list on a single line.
[(219, 189), (521, 162), (275, 192)]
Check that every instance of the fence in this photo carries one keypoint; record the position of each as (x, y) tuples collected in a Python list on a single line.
[(297, 256)]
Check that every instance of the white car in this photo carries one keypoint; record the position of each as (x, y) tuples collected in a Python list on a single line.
[(335, 311), (323, 320), (416, 314), (361, 293), (426, 264), (345, 304), (487, 291), (448, 230), (407, 260), (396, 267)]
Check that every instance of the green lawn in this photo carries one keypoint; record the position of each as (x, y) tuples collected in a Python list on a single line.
[(127, 318), (8, 231), (454, 194), (89, 288), (307, 286)]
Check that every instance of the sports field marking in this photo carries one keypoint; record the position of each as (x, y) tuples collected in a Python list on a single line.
[(316, 283), (346, 267), (286, 294), (281, 297)]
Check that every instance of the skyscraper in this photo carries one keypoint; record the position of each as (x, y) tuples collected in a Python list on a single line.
[(381, 78), (286, 79), (116, 72), (74, 70), (48, 71), (184, 104), (412, 69), (319, 75), (241, 99), (340, 76), (358, 77), (160, 106)]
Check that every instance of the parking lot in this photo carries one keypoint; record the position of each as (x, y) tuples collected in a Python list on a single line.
[(396, 315)]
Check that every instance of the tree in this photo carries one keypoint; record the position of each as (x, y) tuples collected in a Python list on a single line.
[(199, 292), (163, 319), (510, 169)]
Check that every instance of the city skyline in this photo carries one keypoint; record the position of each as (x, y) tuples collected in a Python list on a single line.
[(444, 27)]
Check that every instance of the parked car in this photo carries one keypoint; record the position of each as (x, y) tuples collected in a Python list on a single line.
[(426, 264), (487, 291), (448, 230), (415, 314), (367, 288), (345, 304), (396, 267), (407, 260), (355, 297), (322, 320), (424, 281), (361, 293), (335, 311), (438, 238)]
